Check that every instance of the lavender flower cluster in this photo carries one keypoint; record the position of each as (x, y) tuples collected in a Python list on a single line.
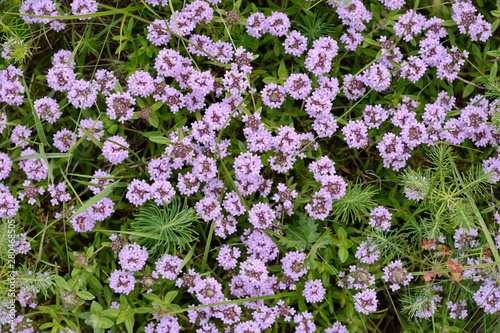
[(200, 156)]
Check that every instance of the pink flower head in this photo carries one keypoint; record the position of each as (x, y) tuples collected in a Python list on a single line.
[(115, 149)]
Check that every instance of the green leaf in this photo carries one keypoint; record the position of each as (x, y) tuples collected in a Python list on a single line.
[(153, 119), (107, 323), (448, 23), (61, 283), (85, 295), (169, 297), (129, 324), (324, 240), (282, 71), (370, 41), (160, 140), (493, 72), (302, 234), (343, 254), (270, 79), (495, 53), (113, 313), (341, 233), (467, 91), (96, 308)]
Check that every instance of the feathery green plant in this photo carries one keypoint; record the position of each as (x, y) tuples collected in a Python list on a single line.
[(165, 229), (447, 193), (356, 201), (315, 26)]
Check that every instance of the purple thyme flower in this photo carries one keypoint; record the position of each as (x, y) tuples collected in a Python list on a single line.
[(228, 257), (104, 179), (104, 81), (318, 104), (208, 208), (273, 95), (319, 61), (466, 238), (83, 222), (409, 24), (30, 192), (35, 168), (259, 245), (119, 106), (257, 24), (374, 116), (393, 4), (221, 51), (217, 115), (396, 275), (278, 24), (354, 87), (82, 94), (358, 278), (169, 63), (187, 183), (11, 88), (168, 266), (367, 252), (393, 150), (366, 301), (261, 216), (298, 85), (19, 136), (314, 291), (162, 192), (61, 78), (122, 281), (8, 204), (337, 328), (305, 321), (140, 83), (295, 44), (377, 77), (457, 309), (208, 290), (356, 134), (47, 109), (413, 69), (132, 257), (464, 13), (293, 265), (320, 205), (62, 58), (380, 218), (352, 39), (94, 127), (81, 7), (325, 125), (64, 140), (138, 192), (158, 33), (115, 149), (232, 204), (101, 210), (225, 225), (5, 166), (58, 193), (354, 15)]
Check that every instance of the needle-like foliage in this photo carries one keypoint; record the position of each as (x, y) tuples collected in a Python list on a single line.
[(165, 229)]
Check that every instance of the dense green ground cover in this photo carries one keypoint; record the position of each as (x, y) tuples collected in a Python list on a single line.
[(249, 166)]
